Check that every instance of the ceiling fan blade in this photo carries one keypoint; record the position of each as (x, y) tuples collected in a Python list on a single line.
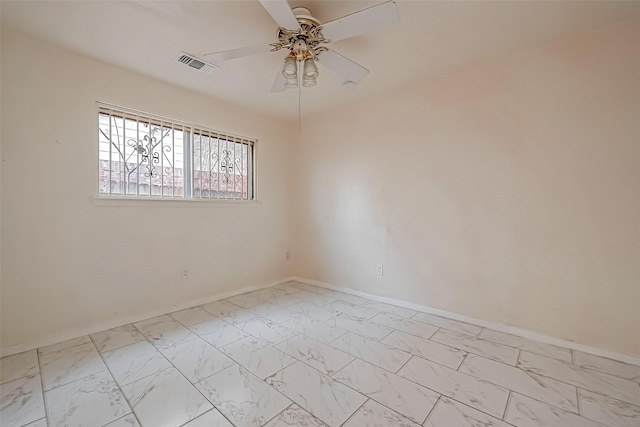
[(364, 21), (351, 71), (225, 55), (281, 13), (279, 83)]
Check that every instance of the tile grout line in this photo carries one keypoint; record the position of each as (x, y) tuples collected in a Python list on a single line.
[(358, 392), (115, 382), (355, 358), (44, 397), (506, 406), (477, 337), (179, 372), (278, 414), (432, 410), (598, 392), (578, 401), (405, 364), (447, 396), (357, 409), (462, 362), (520, 392)]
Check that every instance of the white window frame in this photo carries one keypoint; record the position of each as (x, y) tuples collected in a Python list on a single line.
[(189, 171)]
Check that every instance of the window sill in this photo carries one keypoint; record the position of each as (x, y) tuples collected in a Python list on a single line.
[(157, 202)]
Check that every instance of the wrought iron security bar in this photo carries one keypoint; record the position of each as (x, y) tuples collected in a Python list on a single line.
[(141, 156)]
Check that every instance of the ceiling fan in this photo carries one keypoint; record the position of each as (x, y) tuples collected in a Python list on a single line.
[(306, 40)]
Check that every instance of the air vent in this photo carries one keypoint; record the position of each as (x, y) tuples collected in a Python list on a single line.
[(193, 62)]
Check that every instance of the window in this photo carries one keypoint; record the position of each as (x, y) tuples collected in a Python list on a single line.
[(146, 157)]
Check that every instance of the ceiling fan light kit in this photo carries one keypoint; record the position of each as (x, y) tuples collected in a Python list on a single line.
[(304, 37)]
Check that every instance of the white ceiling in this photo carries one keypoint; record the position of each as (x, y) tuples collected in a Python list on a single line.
[(433, 37)]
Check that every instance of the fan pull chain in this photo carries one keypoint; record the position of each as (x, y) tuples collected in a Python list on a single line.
[(299, 99)]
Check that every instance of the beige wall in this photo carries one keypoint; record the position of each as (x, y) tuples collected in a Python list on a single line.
[(68, 264), (508, 192)]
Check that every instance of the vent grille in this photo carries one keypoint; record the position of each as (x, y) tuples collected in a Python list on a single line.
[(193, 62)]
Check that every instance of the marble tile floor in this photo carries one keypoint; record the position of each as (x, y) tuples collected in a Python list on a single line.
[(300, 355)]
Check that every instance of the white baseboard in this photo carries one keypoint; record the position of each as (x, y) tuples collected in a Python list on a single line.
[(79, 332), (501, 327)]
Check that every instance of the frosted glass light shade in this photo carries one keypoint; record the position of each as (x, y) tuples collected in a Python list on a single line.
[(310, 70), (290, 68)]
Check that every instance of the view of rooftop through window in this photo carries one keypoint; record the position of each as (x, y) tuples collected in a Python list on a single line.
[(142, 157)]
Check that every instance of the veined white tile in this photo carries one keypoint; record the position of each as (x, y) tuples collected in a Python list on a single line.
[(320, 356), (62, 367), (313, 297), (217, 332), (477, 346), (373, 414), (450, 324), (65, 345), (325, 398), (242, 397), (526, 344), (287, 300), (442, 354), (610, 412), (197, 359), (246, 300), (116, 338), (353, 299), (164, 332), (406, 325), (135, 361), (165, 399), (93, 400), (313, 329), (390, 308), (192, 316), (213, 418), (286, 288), (295, 416), (126, 421), (366, 328), (221, 308), (21, 401), (614, 387), (257, 356), (18, 366), (322, 313), (40, 423), (403, 396), (268, 294), (527, 383), (230, 312), (274, 313), (372, 351), (307, 287), (451, 413), (357, 311), (267, 330), (323, 300), (456, 385), (608, 366), (526, 412)]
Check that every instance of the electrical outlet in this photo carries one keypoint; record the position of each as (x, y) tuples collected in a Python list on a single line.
[(185, 273), (379, 269), (287, 256)]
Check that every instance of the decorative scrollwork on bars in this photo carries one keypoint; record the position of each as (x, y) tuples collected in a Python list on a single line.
[(227, 166), (144, 149)]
